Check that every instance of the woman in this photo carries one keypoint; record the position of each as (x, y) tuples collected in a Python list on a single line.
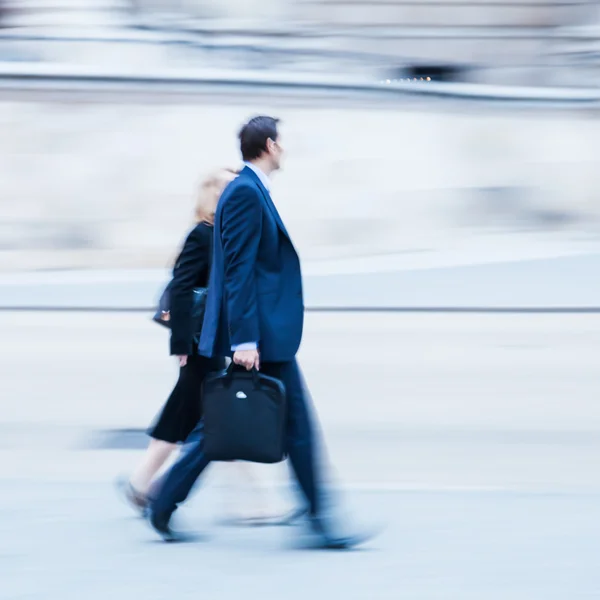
[(182, 411)]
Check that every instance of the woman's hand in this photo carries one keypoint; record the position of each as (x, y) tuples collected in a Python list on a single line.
[(182, 358)]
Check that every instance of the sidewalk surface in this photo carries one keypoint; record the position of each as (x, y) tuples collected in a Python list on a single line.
[(71, 541), (473, 440)]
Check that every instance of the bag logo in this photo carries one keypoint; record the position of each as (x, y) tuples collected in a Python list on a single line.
[(241, 395)]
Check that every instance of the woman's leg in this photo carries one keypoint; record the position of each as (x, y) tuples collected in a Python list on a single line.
[(248, 500), (252, 498), (178, 418), (134, 489), (155, 457)]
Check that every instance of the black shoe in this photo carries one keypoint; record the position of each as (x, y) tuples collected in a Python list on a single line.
[(326, 539), (160, 524)]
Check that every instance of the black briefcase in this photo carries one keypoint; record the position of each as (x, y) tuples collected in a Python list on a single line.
[(244, 416)]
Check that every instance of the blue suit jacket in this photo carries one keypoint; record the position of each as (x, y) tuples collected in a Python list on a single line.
[(255, 289)]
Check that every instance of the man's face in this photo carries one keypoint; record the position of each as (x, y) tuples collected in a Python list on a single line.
[(275, 153)]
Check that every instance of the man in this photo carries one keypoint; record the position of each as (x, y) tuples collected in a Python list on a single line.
[(255, 312)]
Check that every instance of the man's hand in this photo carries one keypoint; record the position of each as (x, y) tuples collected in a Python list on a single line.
[(182, 360), (247, 358)]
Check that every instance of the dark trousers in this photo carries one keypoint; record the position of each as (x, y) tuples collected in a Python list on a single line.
[(178, 482)]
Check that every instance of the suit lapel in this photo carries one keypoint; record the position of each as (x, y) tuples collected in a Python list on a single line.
[(268, 201)]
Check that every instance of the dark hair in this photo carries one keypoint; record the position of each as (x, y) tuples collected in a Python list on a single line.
[(254, 135)]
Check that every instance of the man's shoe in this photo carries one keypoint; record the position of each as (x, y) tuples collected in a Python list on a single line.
[(160, 524)]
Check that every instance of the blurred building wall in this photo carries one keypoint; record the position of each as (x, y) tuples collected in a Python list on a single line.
[(239, 9), (113, 185), (391, 13), (524, 42)]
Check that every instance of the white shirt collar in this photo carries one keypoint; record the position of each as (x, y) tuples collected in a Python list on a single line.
[(262, 176)]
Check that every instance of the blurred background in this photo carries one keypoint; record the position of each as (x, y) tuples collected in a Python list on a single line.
[(442, 186)]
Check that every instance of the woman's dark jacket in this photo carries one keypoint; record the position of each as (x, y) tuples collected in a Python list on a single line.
[(191, 270)]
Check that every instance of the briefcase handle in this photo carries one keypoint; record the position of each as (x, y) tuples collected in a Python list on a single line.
[(231, 369)]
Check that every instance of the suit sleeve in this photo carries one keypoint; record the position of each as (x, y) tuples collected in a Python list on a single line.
[(192, 261), (240, 233)]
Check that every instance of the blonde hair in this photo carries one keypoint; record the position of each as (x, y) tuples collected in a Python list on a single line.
[(210, 192)]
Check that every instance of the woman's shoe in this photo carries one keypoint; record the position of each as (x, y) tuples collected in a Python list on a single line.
[(267, 520), (135, 499)]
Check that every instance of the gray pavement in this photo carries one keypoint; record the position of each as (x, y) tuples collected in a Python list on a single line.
[(79, 542), (473, 439)]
